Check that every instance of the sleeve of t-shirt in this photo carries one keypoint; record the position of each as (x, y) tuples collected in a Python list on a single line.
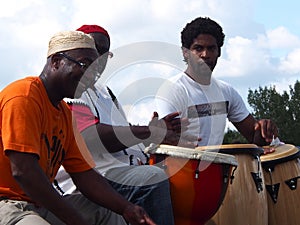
[(21, 115), (83, 115), (237, 108)]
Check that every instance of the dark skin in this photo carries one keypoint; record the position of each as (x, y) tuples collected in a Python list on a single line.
[(202, 58), (163, 131), (60, 78)]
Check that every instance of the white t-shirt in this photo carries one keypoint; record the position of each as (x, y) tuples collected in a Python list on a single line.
[(113, 114), (206, 106), (101, 105)]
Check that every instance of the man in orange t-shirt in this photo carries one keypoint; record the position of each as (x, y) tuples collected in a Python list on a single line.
[(37, 137)]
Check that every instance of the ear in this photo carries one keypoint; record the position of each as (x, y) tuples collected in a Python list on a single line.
[(185, 52), (55, 61)]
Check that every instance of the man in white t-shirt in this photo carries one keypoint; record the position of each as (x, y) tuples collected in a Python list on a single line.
[(205, 101)]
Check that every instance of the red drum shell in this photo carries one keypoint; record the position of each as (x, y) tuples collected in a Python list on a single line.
[(194, 200)]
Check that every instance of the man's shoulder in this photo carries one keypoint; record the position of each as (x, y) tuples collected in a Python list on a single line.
[(25, 87), (223, 84)]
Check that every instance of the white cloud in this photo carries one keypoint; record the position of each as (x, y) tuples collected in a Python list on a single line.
[(12, 7), (280, 37), (290, 64), (242, 57)]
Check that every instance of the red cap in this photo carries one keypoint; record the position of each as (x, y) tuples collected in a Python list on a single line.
[(93, 29)]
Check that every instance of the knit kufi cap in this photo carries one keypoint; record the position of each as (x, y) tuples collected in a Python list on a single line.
[(68, 40), (93, 29)]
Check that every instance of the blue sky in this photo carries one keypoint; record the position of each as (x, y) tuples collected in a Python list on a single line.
[(278, 13), (262, 44)]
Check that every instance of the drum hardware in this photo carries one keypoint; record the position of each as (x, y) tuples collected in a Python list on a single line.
[(257, 177), (258, 181), (273, 188), (232, 175), (226, 171), (292, 183), (197, 170)]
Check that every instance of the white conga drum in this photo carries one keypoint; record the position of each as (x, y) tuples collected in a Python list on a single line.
[(282, 178), (245, 200), (198, 180)]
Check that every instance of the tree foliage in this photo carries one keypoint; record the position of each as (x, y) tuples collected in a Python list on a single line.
[(234, 137), (283, 109)]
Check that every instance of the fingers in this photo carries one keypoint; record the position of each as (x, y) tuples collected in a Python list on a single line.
[(176, 124), (136, 215), (171, 116), (268, 129)]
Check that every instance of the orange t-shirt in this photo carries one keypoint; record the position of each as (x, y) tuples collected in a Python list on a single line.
[(30, 123)]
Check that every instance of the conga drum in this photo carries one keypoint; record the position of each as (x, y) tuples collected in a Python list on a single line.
[(282, 172), (245, 200), (198, 180)]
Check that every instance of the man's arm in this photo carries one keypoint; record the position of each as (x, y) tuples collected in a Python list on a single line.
[(95, 187), (159, 131), (259, 132), (29, 175)]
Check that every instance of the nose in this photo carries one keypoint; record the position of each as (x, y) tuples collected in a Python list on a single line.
[(204, 53)]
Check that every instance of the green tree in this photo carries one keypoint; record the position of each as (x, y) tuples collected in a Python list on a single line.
[(283, 109), (234, 137)]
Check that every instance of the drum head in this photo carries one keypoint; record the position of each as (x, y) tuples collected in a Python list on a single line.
[(234, 149), (281, 152), (190, 153)]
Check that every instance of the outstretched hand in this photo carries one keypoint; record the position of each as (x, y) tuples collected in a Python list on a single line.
[(169, 130)]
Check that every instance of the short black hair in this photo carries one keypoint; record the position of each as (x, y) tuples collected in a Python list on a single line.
[(201, 25)]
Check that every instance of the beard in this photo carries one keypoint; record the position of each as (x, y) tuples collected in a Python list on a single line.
[(201, 68)]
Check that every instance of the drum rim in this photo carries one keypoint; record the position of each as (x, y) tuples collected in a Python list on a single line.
[(280, 155), (192, 154), (226, 146), (252, 149), (275, 161)]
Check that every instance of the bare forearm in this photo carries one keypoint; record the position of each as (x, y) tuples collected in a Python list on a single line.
[(29, 175), (96, 188), (117, 138), (259, 132), (44, 194)]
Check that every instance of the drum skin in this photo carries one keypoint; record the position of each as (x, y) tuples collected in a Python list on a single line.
[(195, 199), (243, 204), (284, 164)]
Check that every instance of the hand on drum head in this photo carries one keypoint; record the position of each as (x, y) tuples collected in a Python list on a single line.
[(268, 149), (264, 132)]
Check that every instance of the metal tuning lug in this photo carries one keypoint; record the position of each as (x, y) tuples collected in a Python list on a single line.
[(273, 191), (258, 181), (292, 183)]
